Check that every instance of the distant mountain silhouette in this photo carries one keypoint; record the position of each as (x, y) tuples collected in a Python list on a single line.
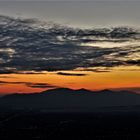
[(70, 100)]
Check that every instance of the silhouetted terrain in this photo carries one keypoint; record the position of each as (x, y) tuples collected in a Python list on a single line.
[(70, 126), (70, 114), (63, 99)]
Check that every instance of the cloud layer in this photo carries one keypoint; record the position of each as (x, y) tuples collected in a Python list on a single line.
[(29, 84), (31, 45)]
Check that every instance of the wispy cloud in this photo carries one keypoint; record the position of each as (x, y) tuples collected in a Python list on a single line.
[(40, 85), (29, 84), (71, 74)]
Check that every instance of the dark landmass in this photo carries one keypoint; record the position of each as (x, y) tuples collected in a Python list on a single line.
[(71, 115), (68, 100), (69, 126)]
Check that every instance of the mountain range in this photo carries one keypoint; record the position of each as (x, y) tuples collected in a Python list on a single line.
[(64, 99)]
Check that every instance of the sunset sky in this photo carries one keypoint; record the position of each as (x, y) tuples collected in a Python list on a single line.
[(117, 79), (45, 45)]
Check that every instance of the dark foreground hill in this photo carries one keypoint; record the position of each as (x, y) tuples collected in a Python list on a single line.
[(70, 115), (63, 99)]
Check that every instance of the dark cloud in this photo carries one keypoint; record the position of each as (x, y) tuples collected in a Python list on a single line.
[(30, 45), (40, 85), (29, 84), (133, 62), (71, 74), (97, 70)]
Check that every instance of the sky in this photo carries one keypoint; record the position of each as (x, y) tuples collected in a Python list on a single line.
[(79, 14), (92, 45), (70, 0)]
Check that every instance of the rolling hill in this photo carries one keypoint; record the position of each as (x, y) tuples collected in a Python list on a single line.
[(64, 99)]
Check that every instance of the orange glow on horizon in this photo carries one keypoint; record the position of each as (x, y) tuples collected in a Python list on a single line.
[(119, 77)]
